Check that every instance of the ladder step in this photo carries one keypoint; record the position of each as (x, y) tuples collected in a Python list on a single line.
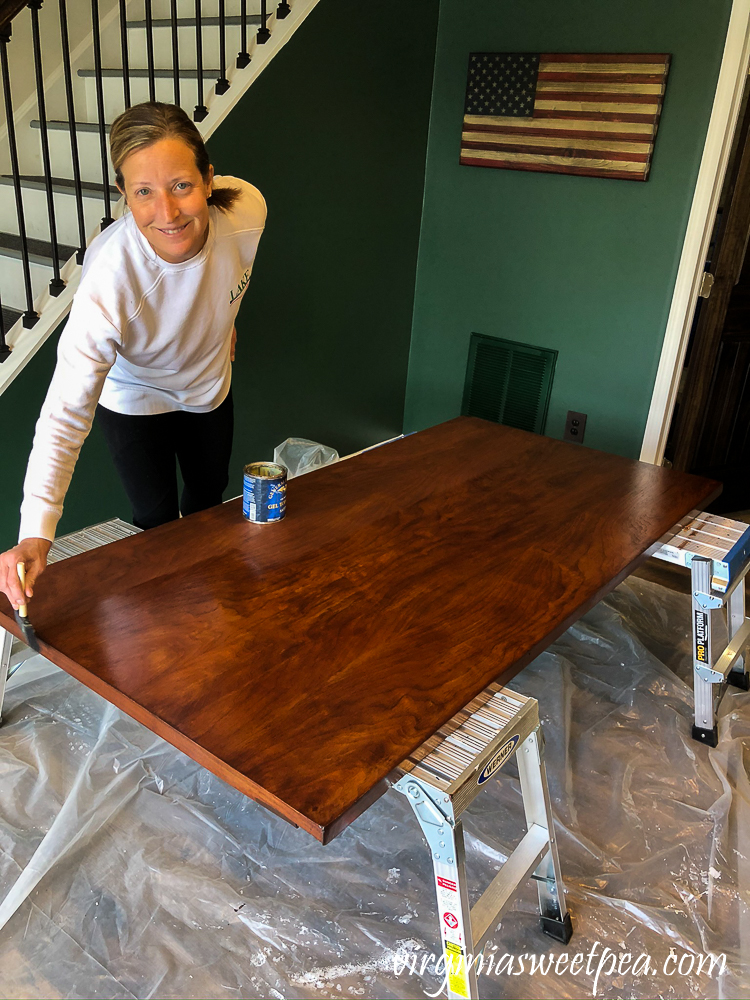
[(455, 753), (20, 652), (522, 862), (472, 746), (61, 185), (722, 540), (90, 538), (40, 251), (159, 74), (736, 644)]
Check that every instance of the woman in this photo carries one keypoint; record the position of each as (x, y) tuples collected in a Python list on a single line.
[(150, 337)]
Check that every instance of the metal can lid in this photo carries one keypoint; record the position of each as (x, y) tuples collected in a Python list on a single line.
[(265, 470)]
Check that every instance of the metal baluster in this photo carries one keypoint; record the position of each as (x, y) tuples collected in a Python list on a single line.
[(29, 317), (4, 349), (65, 42), (175, 53), (263, 33), (243, 56), (107, 219), (222, 84), (56, 284), (150, 52), (124, 51), (283, 10), (200, 109)]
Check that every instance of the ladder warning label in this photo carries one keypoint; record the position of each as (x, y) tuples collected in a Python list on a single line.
[(451, 919), (448, 900), (455, 966), (701, 636), (446, 883)]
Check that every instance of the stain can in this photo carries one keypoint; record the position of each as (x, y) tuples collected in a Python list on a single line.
[(264, 492)]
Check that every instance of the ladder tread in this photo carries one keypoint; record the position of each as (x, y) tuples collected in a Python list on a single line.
[(90, 538)]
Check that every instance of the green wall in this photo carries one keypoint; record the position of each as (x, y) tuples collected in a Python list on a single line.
[(334, 134), (580, 264), (95, 493)]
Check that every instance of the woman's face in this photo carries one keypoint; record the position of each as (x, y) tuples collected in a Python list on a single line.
[(168, 198)]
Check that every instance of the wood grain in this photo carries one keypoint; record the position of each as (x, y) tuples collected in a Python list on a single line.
[(302, 661)]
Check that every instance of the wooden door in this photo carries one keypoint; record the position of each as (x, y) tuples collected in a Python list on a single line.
[(710, 427)]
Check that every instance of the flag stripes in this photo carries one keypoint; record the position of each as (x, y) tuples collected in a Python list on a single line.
[(581, 149), (595, 115)]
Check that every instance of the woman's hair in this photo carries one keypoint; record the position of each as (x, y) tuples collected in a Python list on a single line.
[(144, 124)]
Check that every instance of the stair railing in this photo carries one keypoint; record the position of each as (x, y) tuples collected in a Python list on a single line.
[(23, 162)]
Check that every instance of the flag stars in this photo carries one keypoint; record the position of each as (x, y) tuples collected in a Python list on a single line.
[(502, 83)]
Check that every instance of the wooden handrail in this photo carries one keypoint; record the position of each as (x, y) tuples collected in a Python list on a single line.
[(8, 10)]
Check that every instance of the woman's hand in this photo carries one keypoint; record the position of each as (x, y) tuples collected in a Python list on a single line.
[(233, 343), (32, 552)]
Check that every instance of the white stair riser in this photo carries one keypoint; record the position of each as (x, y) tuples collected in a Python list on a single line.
[(186, 8), (37, 218), (186, 41), (14, 294), (114, 97), (88, 155), (162, 36)]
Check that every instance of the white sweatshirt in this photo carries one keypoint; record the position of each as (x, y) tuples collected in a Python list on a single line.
[(143, 336)]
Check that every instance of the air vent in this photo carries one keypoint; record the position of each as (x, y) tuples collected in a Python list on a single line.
[(508, 382)]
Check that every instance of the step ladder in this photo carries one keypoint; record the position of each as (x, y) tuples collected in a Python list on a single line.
[(717, 552), (440, 780), (13, 652)]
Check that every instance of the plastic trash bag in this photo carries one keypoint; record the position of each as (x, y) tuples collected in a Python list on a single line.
[(299, 456)]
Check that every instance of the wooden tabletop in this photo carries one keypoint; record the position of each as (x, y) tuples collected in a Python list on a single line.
[(302, 661)]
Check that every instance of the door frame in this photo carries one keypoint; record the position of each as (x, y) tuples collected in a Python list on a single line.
[(724, 113)]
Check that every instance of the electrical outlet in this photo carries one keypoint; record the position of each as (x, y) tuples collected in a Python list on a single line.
[(575, 425)]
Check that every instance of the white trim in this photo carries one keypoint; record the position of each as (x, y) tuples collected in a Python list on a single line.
[(727, 100), (52, 311)]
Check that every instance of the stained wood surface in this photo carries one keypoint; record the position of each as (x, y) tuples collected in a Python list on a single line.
[(302, 661)]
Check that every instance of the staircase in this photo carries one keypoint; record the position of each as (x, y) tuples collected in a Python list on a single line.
[(67, 72)]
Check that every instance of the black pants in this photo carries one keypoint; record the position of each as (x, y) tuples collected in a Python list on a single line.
[(144, 449)]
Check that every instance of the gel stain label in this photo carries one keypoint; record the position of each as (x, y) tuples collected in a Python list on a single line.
[(498, 759)]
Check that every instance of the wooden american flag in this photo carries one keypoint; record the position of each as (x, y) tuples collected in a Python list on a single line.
[(595, 115)]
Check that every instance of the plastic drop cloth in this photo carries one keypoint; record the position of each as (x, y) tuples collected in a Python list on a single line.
[(126, 870), (299, 455)]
